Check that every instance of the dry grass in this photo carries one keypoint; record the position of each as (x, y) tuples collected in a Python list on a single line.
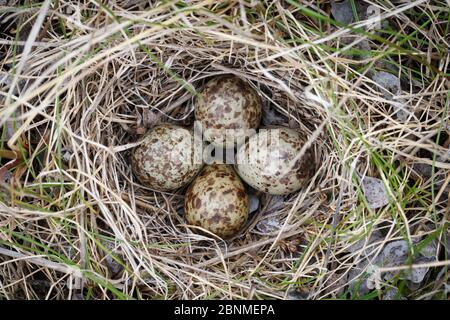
[(82, 81)]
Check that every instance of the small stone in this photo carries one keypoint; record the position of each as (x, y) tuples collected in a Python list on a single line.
[(392, 294), (375, 192), (269, 225), (113, 265), (253, 201), (389, 82), (342, 12), (294, 294), (391, 87)]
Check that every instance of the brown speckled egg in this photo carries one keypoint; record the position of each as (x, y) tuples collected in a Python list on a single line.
[(269, 161), (227, 102), (216, 201), (166, 159)]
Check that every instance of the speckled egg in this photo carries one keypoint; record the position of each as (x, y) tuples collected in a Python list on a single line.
[(269, 161), (228, 107), (217, 201), (166, 159)]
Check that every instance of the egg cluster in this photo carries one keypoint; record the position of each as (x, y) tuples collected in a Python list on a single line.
[(271, 161)]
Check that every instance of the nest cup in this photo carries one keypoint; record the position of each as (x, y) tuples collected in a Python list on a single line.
[(81, 82)]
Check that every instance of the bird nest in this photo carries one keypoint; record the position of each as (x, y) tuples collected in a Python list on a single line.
[(80, 85)]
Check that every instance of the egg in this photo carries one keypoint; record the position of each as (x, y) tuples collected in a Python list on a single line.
[(269, 161), (228, 107), (217, 201), (167, 158)]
